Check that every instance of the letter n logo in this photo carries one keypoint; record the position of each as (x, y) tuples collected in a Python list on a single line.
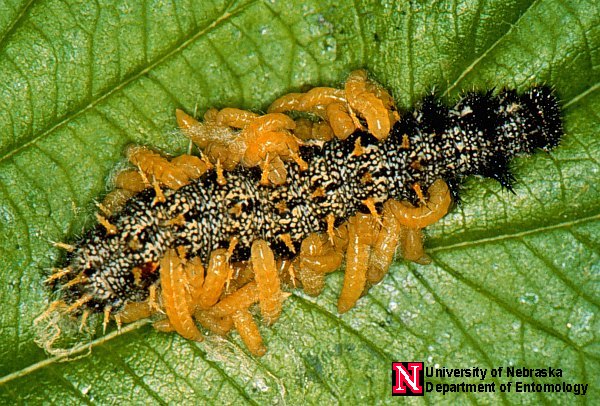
[(407, 379)]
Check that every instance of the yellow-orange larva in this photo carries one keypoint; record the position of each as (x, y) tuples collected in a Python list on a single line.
[(384, 246), (317, 258), (426, 214), (218, 142), (321, 97), (157, 167), (191, 166), (285, 103), (131, 180), (242, 298), (411, 245), (412, 219), (340, 121), (114, 201), (361, 233), (135, 311), (339, 106), (236, 118), (324, 102), (217, 325), (261, 140), (367, 104), (246, 326), (267, 279), (176, 296), (215, 279), (194, 274), (307, 130), (269, 134)]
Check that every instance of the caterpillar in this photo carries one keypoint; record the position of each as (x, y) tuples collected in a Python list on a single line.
[(280, 200)]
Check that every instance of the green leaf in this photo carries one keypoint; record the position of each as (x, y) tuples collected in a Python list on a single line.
[(514, 279)]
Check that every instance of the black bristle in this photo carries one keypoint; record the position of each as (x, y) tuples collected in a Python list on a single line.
[(434, 115), (454, 185), (478, 136), (545, 116), (497, 168)]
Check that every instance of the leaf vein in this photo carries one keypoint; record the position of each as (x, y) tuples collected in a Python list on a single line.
[(337, 320), (507, 307), (17, 22), (71, 387), (335, 392), (223, 373), (169, 367), (83, 108), (136, 378), (589, 91), (168, 92), (485, 53), (471, 339), (295, 44), (502, 237), (556, 272), (71, 352)]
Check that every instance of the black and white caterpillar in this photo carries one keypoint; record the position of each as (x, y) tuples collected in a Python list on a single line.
[(478, 135)]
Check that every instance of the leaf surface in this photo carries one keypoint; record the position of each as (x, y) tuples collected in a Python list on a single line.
[(514, 279)]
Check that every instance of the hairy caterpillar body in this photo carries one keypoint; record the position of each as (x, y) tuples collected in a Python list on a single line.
[(359, 196)]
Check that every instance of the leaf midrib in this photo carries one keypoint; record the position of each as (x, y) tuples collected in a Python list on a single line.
[(72, 352)]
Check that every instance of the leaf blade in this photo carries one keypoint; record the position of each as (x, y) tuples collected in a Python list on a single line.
[(60, 145)]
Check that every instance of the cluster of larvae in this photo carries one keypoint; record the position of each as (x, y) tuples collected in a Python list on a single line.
[(162, 266)]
